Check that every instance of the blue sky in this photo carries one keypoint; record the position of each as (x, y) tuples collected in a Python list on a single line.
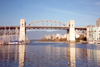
[(83, 12)]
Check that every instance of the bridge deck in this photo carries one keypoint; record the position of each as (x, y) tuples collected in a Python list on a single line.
[(9, 27), (47, 27), (42, 27)]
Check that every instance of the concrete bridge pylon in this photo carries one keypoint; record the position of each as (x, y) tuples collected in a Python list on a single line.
[(22, 35), (71, 31)]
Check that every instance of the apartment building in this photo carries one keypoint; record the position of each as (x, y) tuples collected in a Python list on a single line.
[(93, 34)]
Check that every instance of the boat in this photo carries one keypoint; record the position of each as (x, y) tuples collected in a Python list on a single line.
[(15, 42), (91, 42)]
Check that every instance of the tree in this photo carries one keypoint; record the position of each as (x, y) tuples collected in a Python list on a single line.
[(81, 37)]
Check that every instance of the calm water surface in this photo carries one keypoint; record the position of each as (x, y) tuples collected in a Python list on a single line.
[(50, 55)]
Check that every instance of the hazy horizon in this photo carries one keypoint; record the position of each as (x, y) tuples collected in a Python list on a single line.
[(41, 33)]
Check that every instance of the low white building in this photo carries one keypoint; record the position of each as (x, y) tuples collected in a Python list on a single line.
[(48, 36), (65, 36), (58, 35), (61, 36), (55, 36)]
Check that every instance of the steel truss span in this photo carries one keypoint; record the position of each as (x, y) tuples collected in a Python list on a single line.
[(47, 23)]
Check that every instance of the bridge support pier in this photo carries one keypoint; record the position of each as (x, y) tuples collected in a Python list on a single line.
[(22, 36), (71, 31)]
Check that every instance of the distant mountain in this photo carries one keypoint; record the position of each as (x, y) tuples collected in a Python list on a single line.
[(32, 35)]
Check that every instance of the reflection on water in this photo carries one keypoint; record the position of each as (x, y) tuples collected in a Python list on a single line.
[(50, 55), (71, 51), (21, 55)]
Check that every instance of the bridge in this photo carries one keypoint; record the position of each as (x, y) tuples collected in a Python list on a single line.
[(42, 24), (40, 27)]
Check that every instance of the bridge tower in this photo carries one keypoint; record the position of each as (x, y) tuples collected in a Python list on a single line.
[(22, 36), (71, 31)]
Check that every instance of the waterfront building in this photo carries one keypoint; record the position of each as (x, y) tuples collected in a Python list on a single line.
[(61, 36), (53, 36), (98, 23), (77, 35), (48, 36), (65, 36), (58, 35), (84, 33), (93, 34)]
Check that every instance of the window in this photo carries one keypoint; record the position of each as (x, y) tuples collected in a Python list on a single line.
[(94, 30)]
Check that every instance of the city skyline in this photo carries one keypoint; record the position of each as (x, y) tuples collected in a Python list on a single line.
[(83, 12)]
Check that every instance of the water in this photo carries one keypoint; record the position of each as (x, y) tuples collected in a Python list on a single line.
[(50, 55)]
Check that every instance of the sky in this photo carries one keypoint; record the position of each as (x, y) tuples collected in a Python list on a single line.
[(83, 12)]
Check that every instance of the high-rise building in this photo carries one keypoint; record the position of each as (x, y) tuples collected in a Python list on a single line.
[(98, 22)]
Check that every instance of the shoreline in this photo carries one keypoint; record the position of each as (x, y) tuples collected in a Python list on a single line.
[(55, 42)]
